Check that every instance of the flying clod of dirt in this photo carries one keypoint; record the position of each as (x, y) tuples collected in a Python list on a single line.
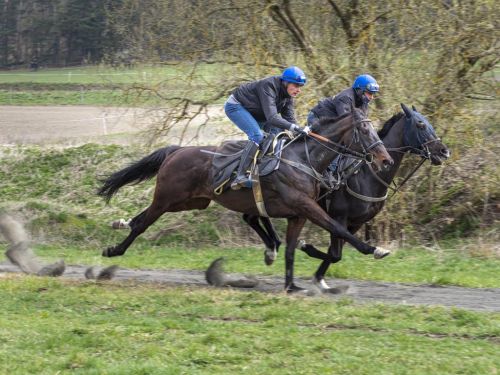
[(104, 274), (19, 252), (215, 276)]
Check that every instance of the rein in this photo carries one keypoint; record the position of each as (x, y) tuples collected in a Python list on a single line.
[(394, 189), (364, 156), (422, 151)]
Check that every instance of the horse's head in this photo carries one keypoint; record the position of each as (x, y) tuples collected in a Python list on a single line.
[(366, 139), (419, 136), (357, 135)]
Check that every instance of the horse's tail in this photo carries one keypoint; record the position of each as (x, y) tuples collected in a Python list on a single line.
[(139, 171)]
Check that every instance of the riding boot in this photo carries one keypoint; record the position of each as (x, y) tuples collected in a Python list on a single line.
[(242, 180)]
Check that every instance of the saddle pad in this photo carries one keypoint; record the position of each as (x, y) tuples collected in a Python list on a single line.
[(225, 161), (227, 158)]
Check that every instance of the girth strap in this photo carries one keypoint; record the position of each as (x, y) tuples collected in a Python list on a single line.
[(311, 172), (257, 192), (364, 197)]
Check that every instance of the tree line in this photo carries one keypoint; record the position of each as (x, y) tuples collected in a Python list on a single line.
[(53, 33)]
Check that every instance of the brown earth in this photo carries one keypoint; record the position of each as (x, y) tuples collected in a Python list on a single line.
[(74, 125)]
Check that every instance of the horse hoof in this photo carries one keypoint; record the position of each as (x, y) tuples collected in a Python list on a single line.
[(320, 284), (121, 224), (297, 290), (380, 253), (108, 252), (301, 245), (269, 256)]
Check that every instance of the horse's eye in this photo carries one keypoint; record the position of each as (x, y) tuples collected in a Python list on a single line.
[(420, 125)]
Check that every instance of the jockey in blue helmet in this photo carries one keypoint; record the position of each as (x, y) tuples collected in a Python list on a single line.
[(359, 95), (264, 104)]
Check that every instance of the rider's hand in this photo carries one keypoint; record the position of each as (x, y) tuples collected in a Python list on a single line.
[(298, 130)]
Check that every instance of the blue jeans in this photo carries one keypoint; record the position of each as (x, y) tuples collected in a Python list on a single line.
[(245, 121)]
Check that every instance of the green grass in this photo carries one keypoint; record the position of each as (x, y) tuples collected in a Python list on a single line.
[(105, 75), (55, 326), (57, 97), (101, 85)]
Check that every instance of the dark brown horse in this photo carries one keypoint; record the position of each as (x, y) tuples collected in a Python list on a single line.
[(184, 182), (363, 195)]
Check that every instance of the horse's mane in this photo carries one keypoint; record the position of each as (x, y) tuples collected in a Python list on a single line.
[(329, 120), (389, 123)]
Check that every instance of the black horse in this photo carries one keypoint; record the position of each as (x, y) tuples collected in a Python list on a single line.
[(185, 180), (363, 195)]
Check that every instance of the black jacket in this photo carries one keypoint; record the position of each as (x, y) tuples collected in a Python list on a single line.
[(339, 104), (266, 100)]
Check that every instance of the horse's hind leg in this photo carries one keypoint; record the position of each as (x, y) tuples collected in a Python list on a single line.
[(138, 225), (146, 218)]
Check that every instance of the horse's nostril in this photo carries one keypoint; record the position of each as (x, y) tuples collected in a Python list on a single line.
[(445, 152), (387, 163)]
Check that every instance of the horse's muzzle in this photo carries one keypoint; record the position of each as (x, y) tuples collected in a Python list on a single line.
[(387, 164)]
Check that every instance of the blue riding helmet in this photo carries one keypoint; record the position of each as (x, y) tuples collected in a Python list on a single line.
[(294, 75), (366, 82)]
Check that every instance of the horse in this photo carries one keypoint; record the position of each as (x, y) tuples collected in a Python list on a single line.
[(184, 182), (362, 195)]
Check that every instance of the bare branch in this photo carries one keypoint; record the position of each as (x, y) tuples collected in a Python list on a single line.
[(345, 19)]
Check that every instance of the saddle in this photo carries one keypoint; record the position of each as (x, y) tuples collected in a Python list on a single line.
[(227, 158)]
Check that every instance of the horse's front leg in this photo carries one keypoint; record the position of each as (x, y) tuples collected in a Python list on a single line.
[(270, 252), (313, 212), (334, 256), (293, 230), (271, 231)]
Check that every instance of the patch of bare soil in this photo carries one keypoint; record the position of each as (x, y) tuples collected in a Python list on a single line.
[(75, 125), (479, 299)]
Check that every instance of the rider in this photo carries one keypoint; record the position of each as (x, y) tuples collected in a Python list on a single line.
[(359, 95), (267, 102)]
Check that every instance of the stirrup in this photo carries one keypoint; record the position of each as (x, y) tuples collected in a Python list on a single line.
[(244, 182)]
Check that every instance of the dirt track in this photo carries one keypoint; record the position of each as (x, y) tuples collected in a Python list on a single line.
[(76, 125), (360, 291)]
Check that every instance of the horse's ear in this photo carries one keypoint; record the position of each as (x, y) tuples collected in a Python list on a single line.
[(414, 109), (406, 110)]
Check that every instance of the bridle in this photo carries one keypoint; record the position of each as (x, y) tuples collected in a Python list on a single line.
[(364, 156), (422, 150)]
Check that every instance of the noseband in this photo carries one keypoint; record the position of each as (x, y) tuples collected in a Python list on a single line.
[(368, 157)]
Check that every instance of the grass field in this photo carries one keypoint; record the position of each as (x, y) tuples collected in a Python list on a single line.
[(105, 75), (55, 326), (101, 85)]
